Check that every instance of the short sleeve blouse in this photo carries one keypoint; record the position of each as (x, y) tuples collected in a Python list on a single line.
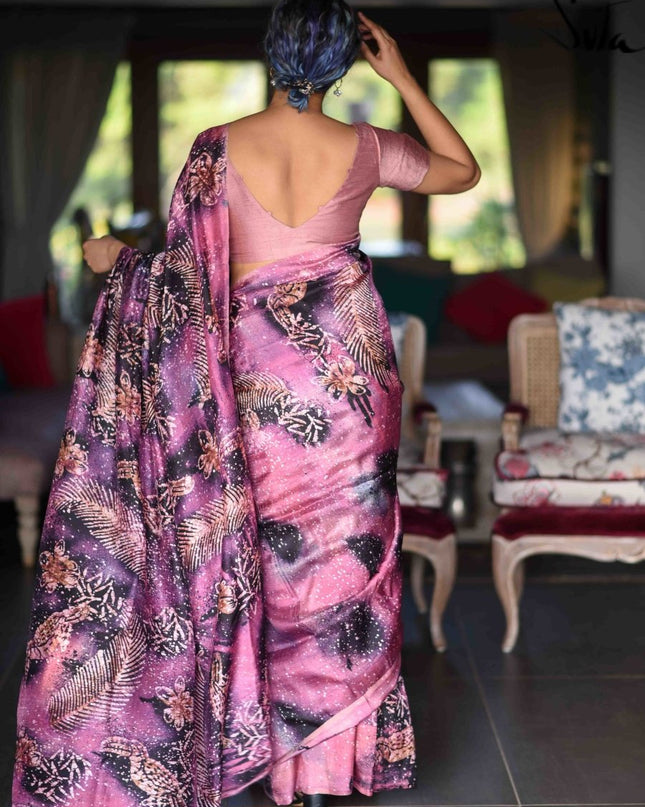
[(403, 161), (384, 158)]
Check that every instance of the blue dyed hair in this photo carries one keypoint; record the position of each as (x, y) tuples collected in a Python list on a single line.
[(314, 40)]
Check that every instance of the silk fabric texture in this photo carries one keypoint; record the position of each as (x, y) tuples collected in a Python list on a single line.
[(172, 659)]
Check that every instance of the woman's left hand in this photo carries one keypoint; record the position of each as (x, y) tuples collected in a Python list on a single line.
[(101, 253)]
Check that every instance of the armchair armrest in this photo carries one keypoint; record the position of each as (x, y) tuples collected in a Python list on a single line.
[(514, 417), (426, 414)]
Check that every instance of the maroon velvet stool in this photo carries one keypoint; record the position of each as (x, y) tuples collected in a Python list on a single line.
[(611, 533), (429, 534)]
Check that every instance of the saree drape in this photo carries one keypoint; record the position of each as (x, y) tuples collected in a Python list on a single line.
[(159, 615)]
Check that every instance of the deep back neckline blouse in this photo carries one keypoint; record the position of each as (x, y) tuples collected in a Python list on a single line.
[(383, 158)]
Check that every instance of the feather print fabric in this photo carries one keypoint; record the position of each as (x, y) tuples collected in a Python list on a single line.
[(319, 397), (218, 586)]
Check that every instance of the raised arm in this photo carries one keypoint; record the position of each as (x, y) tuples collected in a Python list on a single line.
[(453, 168)]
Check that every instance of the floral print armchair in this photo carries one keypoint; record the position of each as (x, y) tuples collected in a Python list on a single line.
[(574, 492)]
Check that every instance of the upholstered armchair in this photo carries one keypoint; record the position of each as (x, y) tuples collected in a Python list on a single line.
[(428, 534), (575, 490)]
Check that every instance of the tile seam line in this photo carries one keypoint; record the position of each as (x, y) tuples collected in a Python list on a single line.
[(573, 677), (487, 709)]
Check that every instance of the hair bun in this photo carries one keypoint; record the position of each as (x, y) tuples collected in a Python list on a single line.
[(309, 45)]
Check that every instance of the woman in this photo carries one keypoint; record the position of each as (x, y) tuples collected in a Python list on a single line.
[(218, 595)]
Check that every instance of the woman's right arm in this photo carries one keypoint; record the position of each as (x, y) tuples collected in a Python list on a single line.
[(101, 254), (453, 168)]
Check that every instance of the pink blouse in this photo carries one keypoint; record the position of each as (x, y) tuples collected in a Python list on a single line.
[(384, 158)]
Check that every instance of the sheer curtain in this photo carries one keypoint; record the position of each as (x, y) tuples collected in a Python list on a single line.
[(538, 83), (56, 75)]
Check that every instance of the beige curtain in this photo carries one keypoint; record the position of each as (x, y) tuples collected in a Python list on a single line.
[(539, 97), (54, 90)]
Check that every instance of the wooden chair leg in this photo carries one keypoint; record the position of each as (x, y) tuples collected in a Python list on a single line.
[(518, 580), (509, 556), (28, 508), (442, 555), (508, 579), (445, 571), (417, 572)]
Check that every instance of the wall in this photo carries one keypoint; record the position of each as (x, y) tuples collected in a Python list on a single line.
[(627, 154)]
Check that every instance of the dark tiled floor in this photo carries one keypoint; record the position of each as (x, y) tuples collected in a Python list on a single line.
[(560, 721)]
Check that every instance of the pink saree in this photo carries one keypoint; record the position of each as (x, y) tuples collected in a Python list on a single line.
[(217, 597)]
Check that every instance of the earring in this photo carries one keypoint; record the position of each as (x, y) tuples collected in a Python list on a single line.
[(337, 90), (272, 77)]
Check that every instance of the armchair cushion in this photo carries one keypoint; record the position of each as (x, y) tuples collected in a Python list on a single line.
[(572, 470), (602, 369), (420, 486), (433, 524), (571, 522)]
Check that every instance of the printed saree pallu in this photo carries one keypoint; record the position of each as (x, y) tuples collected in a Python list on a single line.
[(217, 597)]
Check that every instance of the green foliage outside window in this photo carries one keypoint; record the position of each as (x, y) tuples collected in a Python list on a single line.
[(476, 230), (195, 95)]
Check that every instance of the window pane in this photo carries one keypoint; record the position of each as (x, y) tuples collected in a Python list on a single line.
[(104, 191), (366, 96), (194, 96), (477, 229)]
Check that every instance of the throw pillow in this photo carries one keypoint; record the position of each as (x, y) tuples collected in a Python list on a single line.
[(602, 369), (23, 351), (485, 308)]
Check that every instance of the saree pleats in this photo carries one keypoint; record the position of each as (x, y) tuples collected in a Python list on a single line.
[(217, 591), (319, 398)]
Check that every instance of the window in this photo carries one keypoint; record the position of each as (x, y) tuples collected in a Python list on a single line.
[(476, 230), (195, 95), (103, 192)]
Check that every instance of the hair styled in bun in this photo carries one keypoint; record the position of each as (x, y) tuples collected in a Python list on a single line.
[(309, 45)]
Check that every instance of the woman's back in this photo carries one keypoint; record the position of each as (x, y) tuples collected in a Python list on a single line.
[(296, 184), (292, 164)]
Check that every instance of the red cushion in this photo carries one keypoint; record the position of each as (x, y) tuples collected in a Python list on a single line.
[(23, 352), (605, 521), (428, 521), (485, 308)]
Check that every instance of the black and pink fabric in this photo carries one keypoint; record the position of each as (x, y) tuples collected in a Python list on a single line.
[(217, 599)]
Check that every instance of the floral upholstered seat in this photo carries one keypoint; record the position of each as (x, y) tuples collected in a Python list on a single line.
[(571, 470)]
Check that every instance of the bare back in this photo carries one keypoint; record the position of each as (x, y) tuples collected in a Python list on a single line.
[(292, 164)]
